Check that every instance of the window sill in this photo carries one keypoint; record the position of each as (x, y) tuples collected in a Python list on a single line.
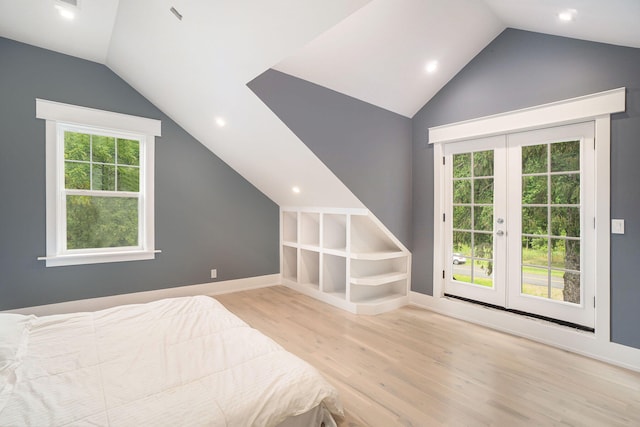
[(97, 258)]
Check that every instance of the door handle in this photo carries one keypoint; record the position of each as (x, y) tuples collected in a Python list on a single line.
[(500, 233)]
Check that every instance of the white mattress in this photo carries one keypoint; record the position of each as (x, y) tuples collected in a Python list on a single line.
[(182, 361)]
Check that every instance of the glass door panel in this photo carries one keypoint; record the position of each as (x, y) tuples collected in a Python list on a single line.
[(472, 248), (552, 224)]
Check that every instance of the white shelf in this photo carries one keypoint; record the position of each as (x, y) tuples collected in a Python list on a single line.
[(341, 252), (345, 258), (378, 279), (378, 255)]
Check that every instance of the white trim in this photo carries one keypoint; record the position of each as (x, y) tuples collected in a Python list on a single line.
[(580, 342), (93, 304), (59, 117), (97, 258), (74, 114), (603, 224), (555, 113), (596, 107)]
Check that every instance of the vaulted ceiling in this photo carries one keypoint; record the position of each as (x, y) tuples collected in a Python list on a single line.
[(195, 69)]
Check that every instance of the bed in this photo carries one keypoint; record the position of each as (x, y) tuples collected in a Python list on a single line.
[(174, 362)]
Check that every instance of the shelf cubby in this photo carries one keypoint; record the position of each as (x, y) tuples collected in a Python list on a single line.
[(377, 294), (289, 263), (310, 228), (372, 273), (309, 268), (334, 275), (334, 235), (368, 238), (290, 227)]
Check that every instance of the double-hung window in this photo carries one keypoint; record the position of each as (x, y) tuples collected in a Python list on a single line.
[(99, 185)]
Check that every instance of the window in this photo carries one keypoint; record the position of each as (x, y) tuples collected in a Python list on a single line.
[(99, 185)]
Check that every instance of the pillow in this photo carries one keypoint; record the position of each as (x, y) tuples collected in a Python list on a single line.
[(14, 334)]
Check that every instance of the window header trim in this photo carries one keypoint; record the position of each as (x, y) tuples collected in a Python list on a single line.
[(84, 116), (553, 114)]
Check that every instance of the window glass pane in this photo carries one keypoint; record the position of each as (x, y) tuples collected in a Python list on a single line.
[(483, 218), (566, 254), (101, 222), (569, 284), (535, 282), (565, 189), (483, 163), (482, 273), (128, 152), (535, 251), (565, 156), (462, 191), (128, 178), (462, 243), (483, 245), (76, 176), (534, 190), (534, 220), (77, 146), (103, 149), (483, 190), (534, 159), (462, 217), (104, 177), (462, 165), (565, 221)]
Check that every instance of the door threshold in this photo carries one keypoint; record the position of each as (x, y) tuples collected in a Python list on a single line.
[(524, 313)]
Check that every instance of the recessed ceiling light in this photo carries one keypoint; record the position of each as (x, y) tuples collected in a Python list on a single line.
[(567, 15), (431, 67), (296, 189), (65, 13), (220, 122)]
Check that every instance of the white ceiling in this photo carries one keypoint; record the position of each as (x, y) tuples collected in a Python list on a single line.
[(196, 69)]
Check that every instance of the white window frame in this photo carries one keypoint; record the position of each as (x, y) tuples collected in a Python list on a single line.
[(596, 107), (59, 116)]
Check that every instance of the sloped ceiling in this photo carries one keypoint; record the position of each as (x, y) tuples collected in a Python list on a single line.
[(196, 69)]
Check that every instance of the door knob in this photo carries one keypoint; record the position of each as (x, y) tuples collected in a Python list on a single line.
[(500, 233)]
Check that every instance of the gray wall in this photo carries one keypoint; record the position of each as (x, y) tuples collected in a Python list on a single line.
[(207, 216), (367, 148), (522, 69)]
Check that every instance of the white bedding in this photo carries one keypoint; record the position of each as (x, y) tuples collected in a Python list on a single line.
[(176, 362)]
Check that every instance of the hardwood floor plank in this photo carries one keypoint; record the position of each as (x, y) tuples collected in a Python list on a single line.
[(412, 367)]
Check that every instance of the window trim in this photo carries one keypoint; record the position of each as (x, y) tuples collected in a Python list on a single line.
[(596, 107), (146, 130)]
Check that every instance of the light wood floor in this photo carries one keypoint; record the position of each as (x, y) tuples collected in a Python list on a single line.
[(412, 367)]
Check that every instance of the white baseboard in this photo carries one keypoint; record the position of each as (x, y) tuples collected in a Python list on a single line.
[(93, 304), (581, 342)]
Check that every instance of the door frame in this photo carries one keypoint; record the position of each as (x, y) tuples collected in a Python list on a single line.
[(597, 107)]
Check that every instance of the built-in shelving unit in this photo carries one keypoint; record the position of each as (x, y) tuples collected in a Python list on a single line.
[(344, 257)]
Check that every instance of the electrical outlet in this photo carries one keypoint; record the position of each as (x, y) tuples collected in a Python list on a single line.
[(214, 273)]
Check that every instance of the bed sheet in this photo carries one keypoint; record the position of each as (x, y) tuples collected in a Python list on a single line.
[(180, 361)]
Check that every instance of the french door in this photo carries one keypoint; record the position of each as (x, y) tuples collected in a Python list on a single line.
[(519, 221)]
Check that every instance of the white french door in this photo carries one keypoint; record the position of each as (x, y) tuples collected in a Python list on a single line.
[(519, 221)]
